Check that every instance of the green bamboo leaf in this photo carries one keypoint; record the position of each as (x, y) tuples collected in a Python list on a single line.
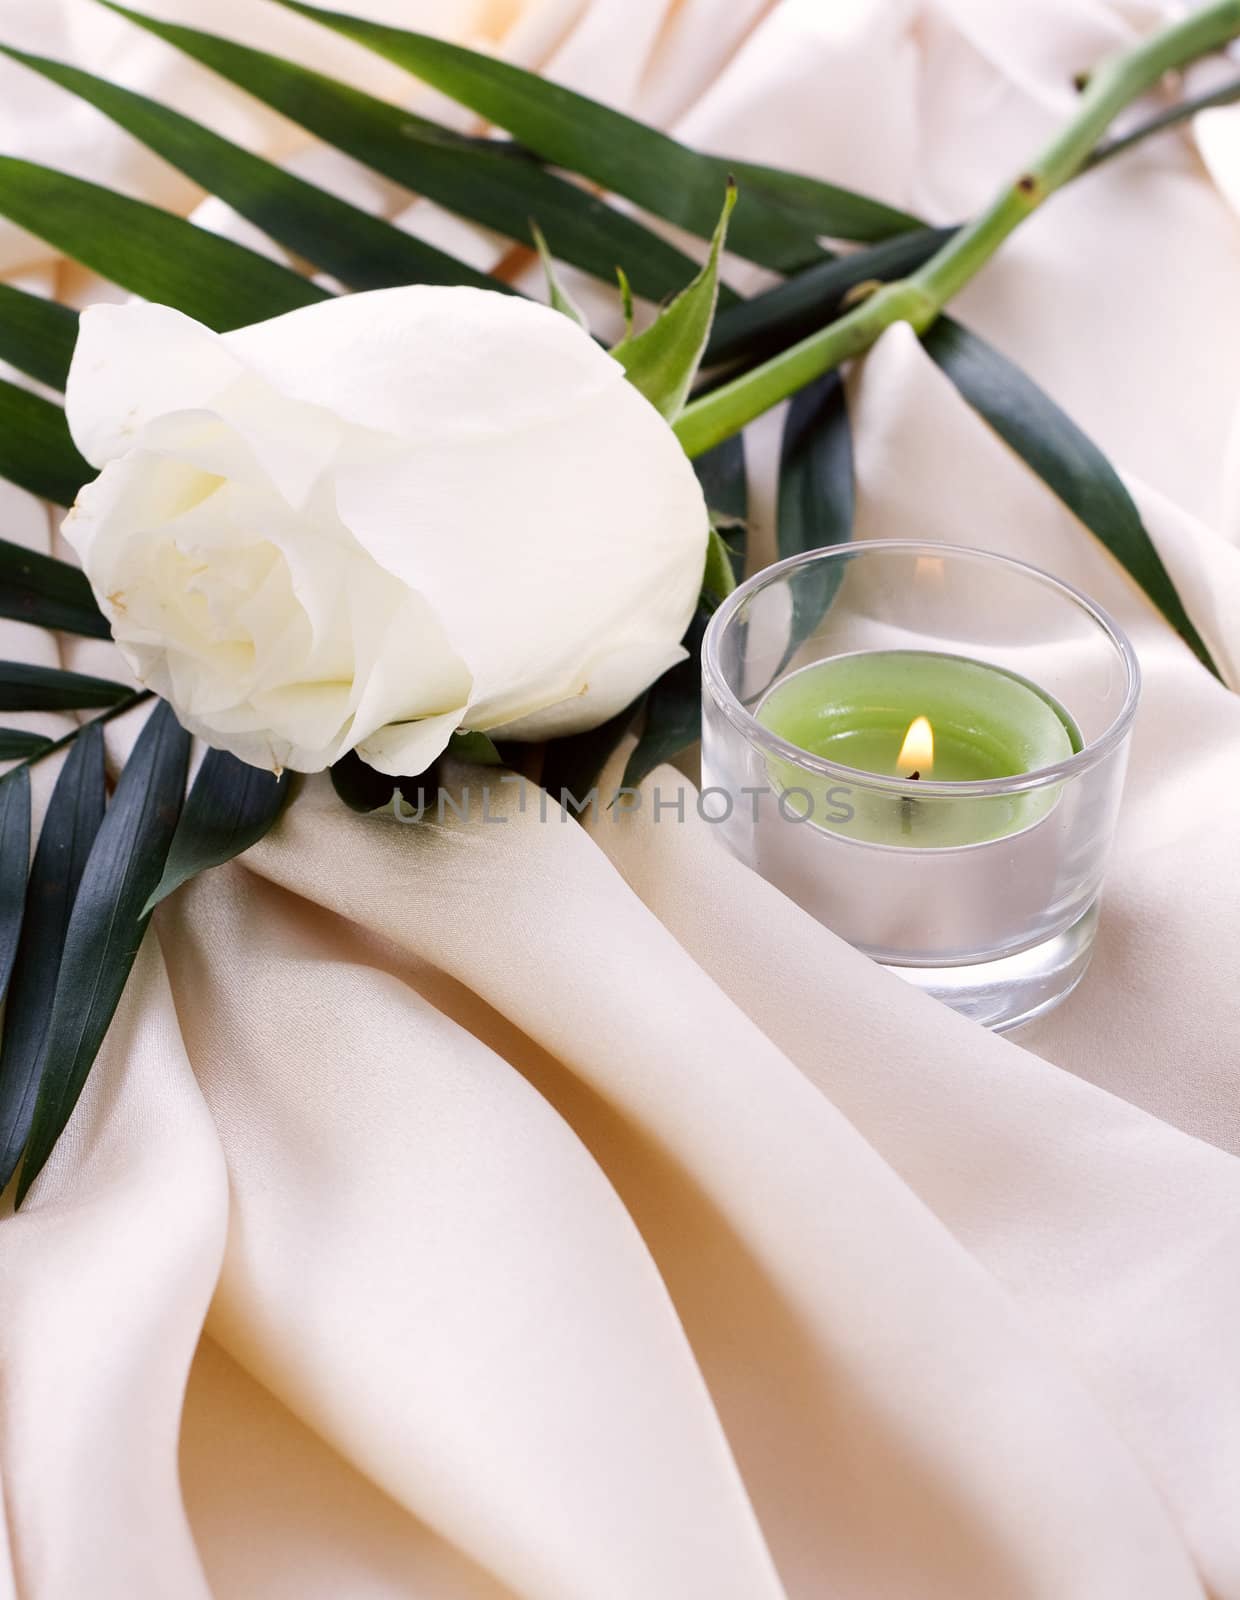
[(362, 788), (36, 335), (36, 452), (799, 306), (149, 251), (361, 250), (16, 744), (50, 593), (558, 297), (817, 496), (29, 688), (722, 474), (476, 178), (673, 709), (107, 925), (825, 207), (1225, 94), (624, 155), (663, 361), (816, 489), (1067, 461), (14, 865), (69, 830), (572, 765), (231, 805)]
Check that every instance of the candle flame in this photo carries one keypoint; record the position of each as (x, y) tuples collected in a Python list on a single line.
[(917, 751)]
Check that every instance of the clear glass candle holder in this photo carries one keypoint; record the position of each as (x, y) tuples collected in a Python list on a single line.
[(982, 891)]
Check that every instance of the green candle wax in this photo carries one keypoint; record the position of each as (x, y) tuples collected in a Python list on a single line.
[(859, 711)]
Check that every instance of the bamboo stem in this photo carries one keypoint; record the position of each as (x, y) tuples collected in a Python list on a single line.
[(919, 298), (117, 710)]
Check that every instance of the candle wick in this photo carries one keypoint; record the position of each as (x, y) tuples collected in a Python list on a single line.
[(907, 806)]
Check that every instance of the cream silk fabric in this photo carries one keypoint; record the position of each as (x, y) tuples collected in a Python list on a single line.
[(516, 1212)]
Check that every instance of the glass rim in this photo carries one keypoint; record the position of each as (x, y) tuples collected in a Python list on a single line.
[(755, 732)]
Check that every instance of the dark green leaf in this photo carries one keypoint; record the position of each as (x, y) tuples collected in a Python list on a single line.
[(364, 789), (1182, 110), (673, 710), (662, 361), (624, 155), (361, 250), (14, 864), (721, 472), (107, 925), (360, 786), (816, 496), (69, 830), (1066, 460), (792, 310), (36, 451), (16, 744), (230, 807), (149, 251), (824, 207), (50, 593), (572, 765), (28, 688), (36, 335), (477, 178)]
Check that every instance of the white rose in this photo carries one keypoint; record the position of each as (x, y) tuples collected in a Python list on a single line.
[(379, 519)]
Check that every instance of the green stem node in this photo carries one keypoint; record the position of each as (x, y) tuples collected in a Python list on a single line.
[(918, 299)]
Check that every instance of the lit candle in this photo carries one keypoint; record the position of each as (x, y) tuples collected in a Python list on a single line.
[(923, 746), (923, 717)]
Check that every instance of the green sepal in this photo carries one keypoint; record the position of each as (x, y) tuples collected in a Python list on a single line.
[(559, 297), (663, 361), (626, 300), (476, 748)]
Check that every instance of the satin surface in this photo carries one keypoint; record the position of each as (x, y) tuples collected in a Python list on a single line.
[(515, 1210)]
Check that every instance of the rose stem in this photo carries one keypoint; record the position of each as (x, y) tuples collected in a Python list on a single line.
[(918, 299)]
